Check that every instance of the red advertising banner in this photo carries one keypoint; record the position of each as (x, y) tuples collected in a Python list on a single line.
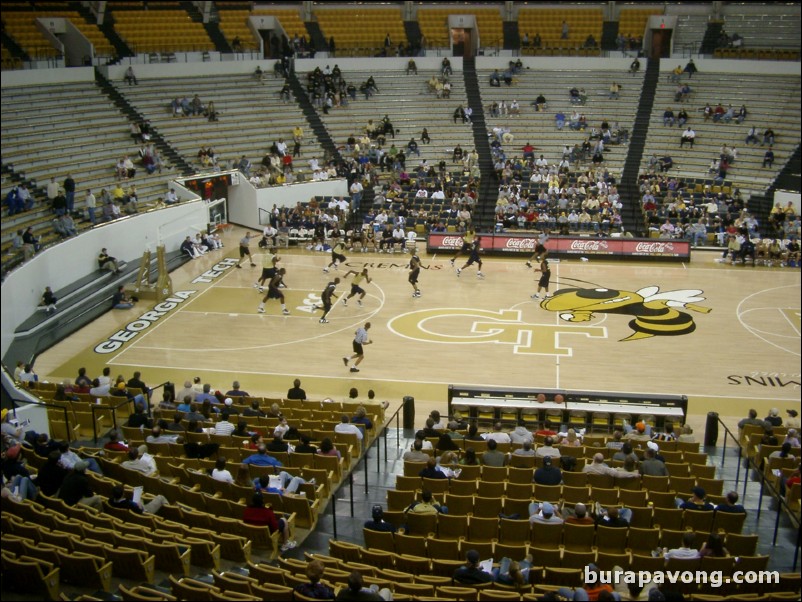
[(568, 245)]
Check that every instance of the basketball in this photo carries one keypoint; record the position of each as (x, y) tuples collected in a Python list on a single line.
[(559, 399), (541, 398)]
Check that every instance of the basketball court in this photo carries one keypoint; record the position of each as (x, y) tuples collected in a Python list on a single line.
[(726, 336)]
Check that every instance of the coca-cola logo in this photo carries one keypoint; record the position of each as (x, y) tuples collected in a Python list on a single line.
[(588, 245), (654, 247), (520, 243), (451, 241)]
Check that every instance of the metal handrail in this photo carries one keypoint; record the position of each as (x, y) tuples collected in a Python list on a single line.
[(364, 456), (764, 485), (41, 402)]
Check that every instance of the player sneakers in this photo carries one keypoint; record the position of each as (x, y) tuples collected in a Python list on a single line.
[(529, 264), (286, 312), (345, 301), (359, 302), (261, 289), (459, 271), (354, 369), (253, 265), (480, 275), (345, 361), (323, 321), (416, 294), (535, 296), (261, 309), (256, 285), (326, 270)]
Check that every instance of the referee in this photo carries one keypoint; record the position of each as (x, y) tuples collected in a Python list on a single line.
[(360, 339)]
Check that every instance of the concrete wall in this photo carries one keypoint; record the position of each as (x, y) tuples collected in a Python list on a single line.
[(73, 259), (734, 66), (245, 201), (34, 77)]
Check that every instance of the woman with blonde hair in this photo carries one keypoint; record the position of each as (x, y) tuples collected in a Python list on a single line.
[(571, 439)]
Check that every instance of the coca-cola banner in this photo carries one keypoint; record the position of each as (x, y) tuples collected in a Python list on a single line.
[(568, 245)]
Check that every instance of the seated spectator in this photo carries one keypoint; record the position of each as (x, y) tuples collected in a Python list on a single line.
[(118, 499), (544, 513), (668, 117), (580, 516), (315, 589), (768, 158), (548, 449), (548, 474), (493, 457), (686, 550), (471, 573), (730, 504), (696, 501), (431, 471), (427, 505), (140, 460), (377, 523)]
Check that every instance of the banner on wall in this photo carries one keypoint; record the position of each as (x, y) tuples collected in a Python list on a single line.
[(568, 245)]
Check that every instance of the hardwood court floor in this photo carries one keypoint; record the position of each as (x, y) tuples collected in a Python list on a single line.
[(730, 343)]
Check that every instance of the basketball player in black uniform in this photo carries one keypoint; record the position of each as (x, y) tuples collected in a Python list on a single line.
[(274, 292), (327, 296), (355, 288), (269, 261), (336, 254), (414, 273), (543, 283), (467, 243), (539, 255), (474, 258)]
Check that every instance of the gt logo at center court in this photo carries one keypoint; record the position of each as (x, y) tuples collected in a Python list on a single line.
[(467, 326)]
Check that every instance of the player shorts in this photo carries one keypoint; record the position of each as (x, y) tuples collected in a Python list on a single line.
[(356, 290), (268, 273), (274, 293), (466, 247), (243, 251), (544, 281), (358, 348), (413, 275), (337, 257)]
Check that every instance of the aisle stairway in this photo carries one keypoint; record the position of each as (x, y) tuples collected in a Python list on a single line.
[(632, 213), (484, 212), (168, 153), (312, 118)]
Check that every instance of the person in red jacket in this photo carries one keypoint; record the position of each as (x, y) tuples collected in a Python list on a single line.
[(257, 514)]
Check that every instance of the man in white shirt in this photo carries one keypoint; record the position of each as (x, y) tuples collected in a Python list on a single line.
[(498, 435), (687, 136), (356, 192), (52, 189), (281, 147), (223, 426), (439, 194), (400, 237), (548, 449), (313, 164), (345, 426), (171, 197), (421, 194), (686, 551)]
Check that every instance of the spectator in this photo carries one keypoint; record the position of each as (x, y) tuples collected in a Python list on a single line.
[(548, 474), (687, 136), (686, 550), (471, 573), (130, 78), (768, 158), (315, 589), (730, 504), (696, 501), (544, 513)]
